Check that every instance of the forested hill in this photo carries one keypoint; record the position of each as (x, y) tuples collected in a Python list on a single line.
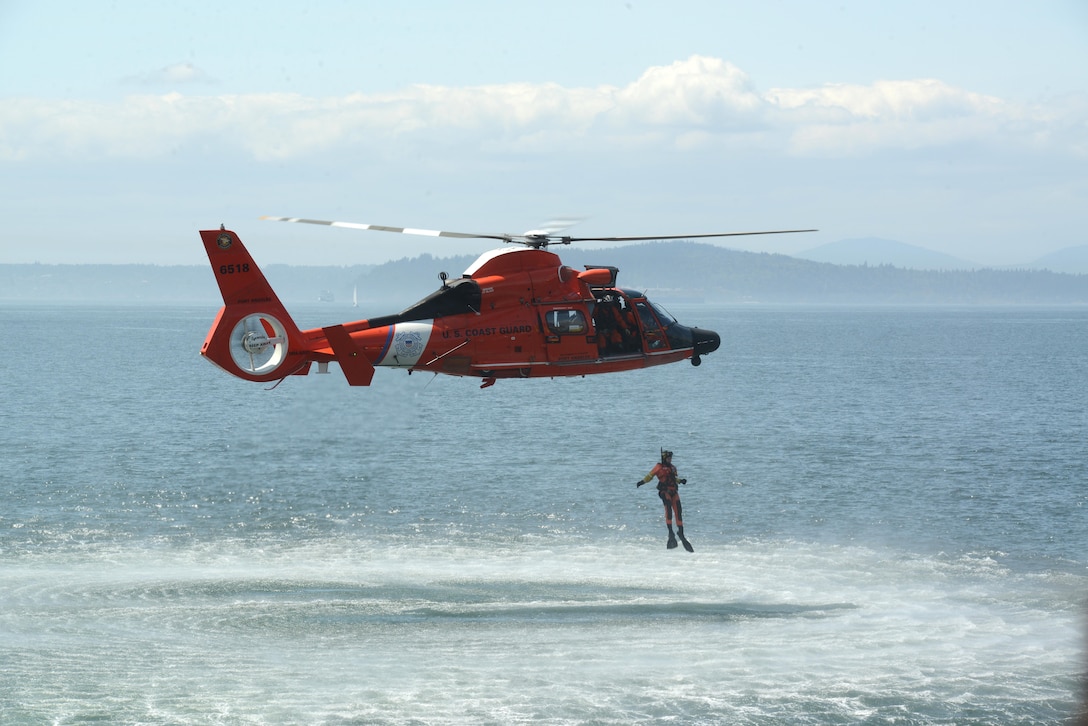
[(669, 272), (702, 271)]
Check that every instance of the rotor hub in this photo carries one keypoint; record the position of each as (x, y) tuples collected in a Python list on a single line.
[(255, 342)]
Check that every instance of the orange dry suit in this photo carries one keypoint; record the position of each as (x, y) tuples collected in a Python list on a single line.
[(668, 491)]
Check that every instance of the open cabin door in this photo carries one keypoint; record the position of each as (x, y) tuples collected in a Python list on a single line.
[(617, 324)]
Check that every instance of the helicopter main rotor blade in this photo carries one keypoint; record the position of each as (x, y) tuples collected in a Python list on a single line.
[(383, 228), (535, 238), (553, 227), (681, 236)]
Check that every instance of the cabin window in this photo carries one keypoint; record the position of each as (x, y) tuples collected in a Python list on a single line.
[(566, 322)]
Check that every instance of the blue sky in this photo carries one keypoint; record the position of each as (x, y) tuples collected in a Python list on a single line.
[(127, 126)]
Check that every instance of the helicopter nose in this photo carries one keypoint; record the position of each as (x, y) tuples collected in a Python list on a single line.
[(705, 341)]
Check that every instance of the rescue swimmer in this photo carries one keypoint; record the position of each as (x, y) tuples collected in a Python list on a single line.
[(668, 490)]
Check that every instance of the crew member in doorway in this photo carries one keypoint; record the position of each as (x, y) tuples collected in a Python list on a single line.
[(669, 492)]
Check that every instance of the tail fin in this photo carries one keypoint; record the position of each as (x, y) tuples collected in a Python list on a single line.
[(253, 337)]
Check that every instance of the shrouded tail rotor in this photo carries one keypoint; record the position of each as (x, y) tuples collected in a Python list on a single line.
[(258, 343)]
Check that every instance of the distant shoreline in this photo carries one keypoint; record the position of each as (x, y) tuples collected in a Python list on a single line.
[(677, 272)]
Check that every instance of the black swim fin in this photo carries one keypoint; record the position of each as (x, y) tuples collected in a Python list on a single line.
[(687, 545)]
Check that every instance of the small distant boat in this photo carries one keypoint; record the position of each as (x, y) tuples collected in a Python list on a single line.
[(326, 296), (355, 296)]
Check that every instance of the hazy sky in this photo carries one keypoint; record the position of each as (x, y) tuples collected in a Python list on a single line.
[(127, 126)]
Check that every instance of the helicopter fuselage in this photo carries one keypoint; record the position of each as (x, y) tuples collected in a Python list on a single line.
[(515, 313)]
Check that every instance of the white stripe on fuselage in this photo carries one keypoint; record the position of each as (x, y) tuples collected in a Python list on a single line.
[(409, 342)]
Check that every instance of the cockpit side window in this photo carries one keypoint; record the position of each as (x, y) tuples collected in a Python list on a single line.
[(566, 322), (655, 338), (649, 320)]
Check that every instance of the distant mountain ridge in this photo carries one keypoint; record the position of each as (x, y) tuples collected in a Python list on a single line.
[(875, 251), (1072, 260), (674, 272)]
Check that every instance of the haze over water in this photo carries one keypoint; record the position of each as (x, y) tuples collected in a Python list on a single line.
[(887, 507)]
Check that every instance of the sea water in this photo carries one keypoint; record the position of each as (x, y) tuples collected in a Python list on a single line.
[(888, 508)]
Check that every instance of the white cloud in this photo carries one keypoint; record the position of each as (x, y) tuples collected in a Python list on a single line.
[(851, 119), (699, 103), (696, 93), (917, 99)]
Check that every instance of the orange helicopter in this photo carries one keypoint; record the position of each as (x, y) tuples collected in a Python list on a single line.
[(516, 312)]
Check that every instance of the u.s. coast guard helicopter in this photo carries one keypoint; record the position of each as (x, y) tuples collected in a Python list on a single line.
[(516, 312)]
